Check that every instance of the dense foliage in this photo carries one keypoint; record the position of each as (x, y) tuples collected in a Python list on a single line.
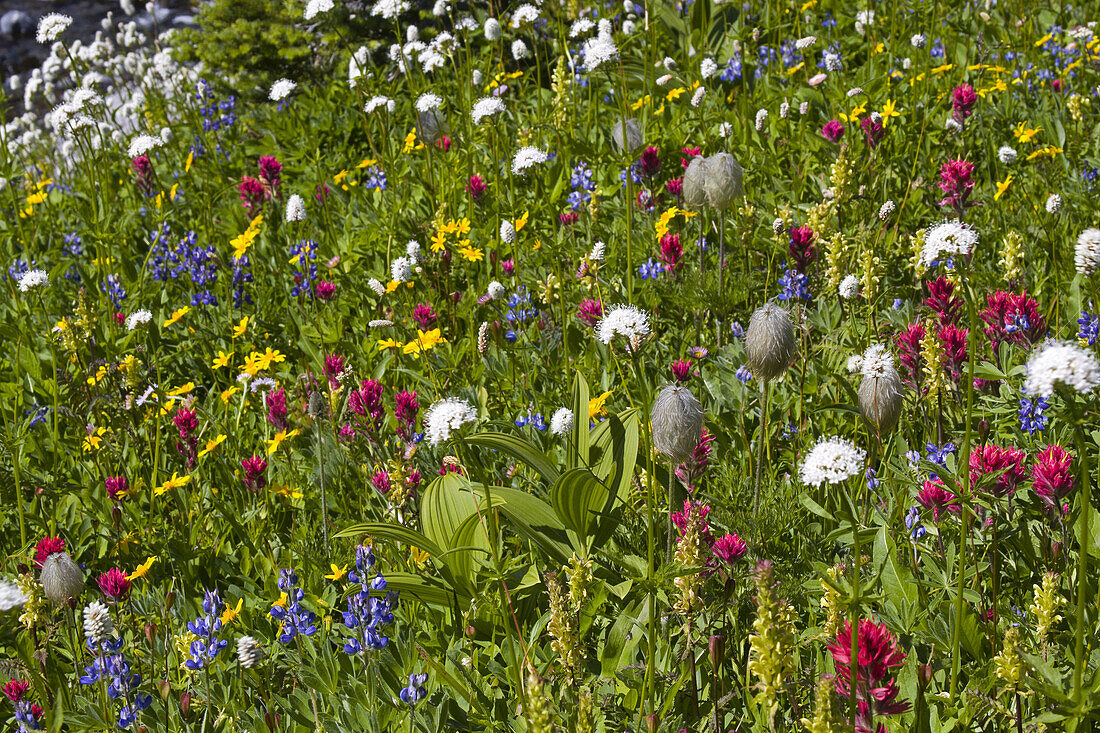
[(587, 368)]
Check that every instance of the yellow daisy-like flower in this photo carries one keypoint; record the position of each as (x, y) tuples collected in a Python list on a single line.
[(1048, 151), (1025, 134), (337, 572), (240, 328), (270, 357), (641, 103), (227, 394), (181, 390), (384, 344), (674, 94), (286, 491), (1002, 186), (281, 602), (175, 482), (366, 163), (142, 570), (597, 406), (212, 444), (522, 221), (472, 254), (177, 315), (418, 556), (229, 615), (92, 441), (438, 241), (282, 435), (222, 359), (425, 340), (889, 110), (252, 364)]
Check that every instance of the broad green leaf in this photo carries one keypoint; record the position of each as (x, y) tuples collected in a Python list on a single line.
[(577, 497), (520, 449), (578, 443)]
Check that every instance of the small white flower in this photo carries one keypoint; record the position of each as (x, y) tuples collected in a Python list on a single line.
[(918, 40), (725, 129), (697, 98), (948, 238), (601, 49), (32, 279), (1054, 203), (598, 251), (527, 157), (855, 92), (507, 232), (1006, 154), (378, 102), (1086, 255), (446, 416), (51, 26), (831, 461), (877, 361), (832, 62), (526, 13), (138, 318), (412, 251), (669, 63), (401, 269), (784, 110), (1061, 363), (886, 210), (804, 108), (428, 102), (562, 422), (624, 320), (377, 286), (476, 77), (486, 107), (855, 363), (389, 9), (761, 119), (580, 27), (849, 287), (519, 50), (492, 29), (295, 209), (496, 290), (663, 80), (142, 144), (803, 43), (380, 323), (316, 7), (281, 89), (708, 68)]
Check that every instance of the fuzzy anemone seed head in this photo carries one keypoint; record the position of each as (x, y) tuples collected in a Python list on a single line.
[(627, 133), (431, 125), (61, 578), (677, 422), (446, 416), (880, 392), (770, 342), (695, 176), (723, 181), (1065, 364), (831, 461)]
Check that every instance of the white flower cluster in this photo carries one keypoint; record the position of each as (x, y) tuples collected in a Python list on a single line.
[(876, 361), (51, 26), (849, 287), (295, 209), (316, 7), (526, 158), (281, 89), (389, 9), (401, 269), (601, 49), (32, 279), (10, 596), (1061, 363), (379, 102), (562, 421), (486, 107), (948, 238), (624, 320), (97, 623), (831, 461), (445, 416), (1086, 255), (138, 318)]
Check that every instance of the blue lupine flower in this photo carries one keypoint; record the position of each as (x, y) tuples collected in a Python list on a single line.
[(743, 374), (581, 179), (520, 312), (1090, 176), (215, 114), (302, 255), (1031, 414), (734, 68), (114, 290), (74, 245), (635, 174), (375, 178), (938, 454), (366, 614), (415, 692), (1088, 327), (872, 479), (38, 413), (796, 286), (206, 647), (737, 329), (110, 666), (536, 421), (295, 618), (913, 524), (18, 268), (898, 303), (913, 457), (650, 270)]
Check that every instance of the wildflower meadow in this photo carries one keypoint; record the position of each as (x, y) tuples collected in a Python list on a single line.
[(493, 366)]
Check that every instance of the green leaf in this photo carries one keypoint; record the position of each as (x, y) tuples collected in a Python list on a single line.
[(533, 519), (520, 449), (422, 589), (578, 497), (394, 532), (578, 444)]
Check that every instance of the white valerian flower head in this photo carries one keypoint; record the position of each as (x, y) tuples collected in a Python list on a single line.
[(1054, 203), (1086, 256), (876, 361), (138, 318), (295, 209), (401, 269), (598, 251), (949, 238), (316, 7), (519, 50), (864, 18), (379, 102), (918, 40), (376, 285), (708, 67), (833, 62), (624, 320), (10, 596), (725, 129), (412, 33), (51, 26), (831, 461), (507, 232), (803, 43), (1006, 154), (412, 251), (492, 29), (629, 26), (562, 422), (1062, 363), (601, 49), (495, 291), (389, 9), (97, 624), (849, 287), (761, 118), (446, 416), (486, 107), (526, 158), (143, 144), (770, 343), (281, 89), (581, 26), (249, 652), (428, 102), (886, 210), (526, 13), (32, 279)]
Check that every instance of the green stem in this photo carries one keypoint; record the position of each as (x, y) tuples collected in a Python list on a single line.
[(1083, 515)]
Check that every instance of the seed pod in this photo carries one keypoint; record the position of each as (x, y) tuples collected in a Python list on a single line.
[(880, 398), (723, 180), (634, 137), (61, 578), (770, 342), (677, 422), (316, 405), (695, 196)]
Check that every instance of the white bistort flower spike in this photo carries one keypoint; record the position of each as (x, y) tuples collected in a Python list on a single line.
[(1086, 255), (831, 461)]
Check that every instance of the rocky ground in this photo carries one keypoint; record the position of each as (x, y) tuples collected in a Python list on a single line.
[(19, 53)]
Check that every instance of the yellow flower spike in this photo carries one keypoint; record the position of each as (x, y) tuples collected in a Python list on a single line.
[(337, 572)]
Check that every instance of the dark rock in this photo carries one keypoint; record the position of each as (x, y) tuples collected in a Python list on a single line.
[(16, 23)]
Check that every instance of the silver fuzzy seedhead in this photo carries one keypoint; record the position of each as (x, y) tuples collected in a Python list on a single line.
[(316, 405), (770, 342), (677, 421), (634, 137), (695, 178), (61, 578), (880, 398), (431, 126), (723, 181)]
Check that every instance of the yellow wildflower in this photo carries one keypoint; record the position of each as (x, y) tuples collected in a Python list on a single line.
[(92, 441), (337, 572), (240, 328), (229, 615), (181, 390), (227, 394), (270, 357), (282, 435), (212, 444), (222, 359), (596, 406), (173, 483), (142, 570), (889, 110), (1025, 134), (177, 315), (1002, 186)]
